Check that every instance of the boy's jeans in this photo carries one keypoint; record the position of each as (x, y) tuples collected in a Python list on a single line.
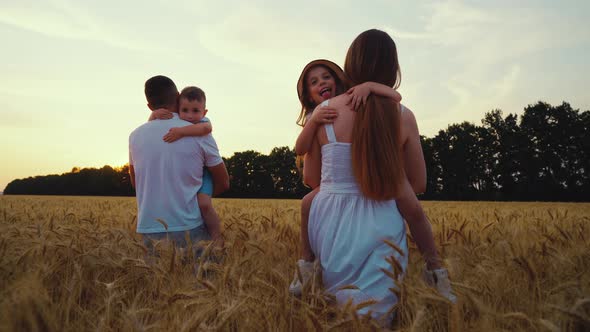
[(179, 239)]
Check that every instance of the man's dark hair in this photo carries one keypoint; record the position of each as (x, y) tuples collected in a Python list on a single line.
[(193, 93), (160, 92)]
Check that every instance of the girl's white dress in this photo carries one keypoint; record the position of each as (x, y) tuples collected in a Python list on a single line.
[(346, 232)]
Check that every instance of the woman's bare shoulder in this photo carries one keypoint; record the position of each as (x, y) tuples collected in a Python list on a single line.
[(340, 101), (407, 115), (409, 126)]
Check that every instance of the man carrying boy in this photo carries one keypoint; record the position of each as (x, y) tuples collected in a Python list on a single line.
[(167, 176)]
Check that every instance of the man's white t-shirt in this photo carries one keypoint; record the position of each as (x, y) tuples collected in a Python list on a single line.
[(168, 175)]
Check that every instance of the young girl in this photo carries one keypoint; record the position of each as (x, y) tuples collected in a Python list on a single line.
[(321, 80), (192, 108)]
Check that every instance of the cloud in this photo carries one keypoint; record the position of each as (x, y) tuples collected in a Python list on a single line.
[(478, 52), (507, 84), (69, 20), (12, 118), (258, 36), (401, 34)]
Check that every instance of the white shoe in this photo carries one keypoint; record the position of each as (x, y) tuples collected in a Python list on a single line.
[(439, 279), (306, 269)]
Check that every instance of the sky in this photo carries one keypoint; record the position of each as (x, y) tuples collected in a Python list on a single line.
[(71, 88)]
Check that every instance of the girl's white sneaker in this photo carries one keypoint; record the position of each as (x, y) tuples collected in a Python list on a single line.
[(439, 279), (306, 269)]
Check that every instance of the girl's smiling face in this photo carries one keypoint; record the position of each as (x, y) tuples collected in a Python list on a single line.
[(321, 85)]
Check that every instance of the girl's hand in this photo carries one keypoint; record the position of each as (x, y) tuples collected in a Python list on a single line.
[(359, 95), (162, 114), (324, 114), (172, 135)]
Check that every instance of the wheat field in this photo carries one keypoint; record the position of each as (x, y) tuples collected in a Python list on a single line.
[(76, 264)]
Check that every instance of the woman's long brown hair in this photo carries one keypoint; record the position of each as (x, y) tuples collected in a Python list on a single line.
[(376, 144)]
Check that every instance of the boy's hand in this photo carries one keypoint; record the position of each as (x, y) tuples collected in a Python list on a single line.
[(219, 241), (172, 135), (162, 114), (359, 95), (324, 114)]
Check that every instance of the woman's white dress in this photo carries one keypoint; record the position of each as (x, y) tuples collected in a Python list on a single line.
[(346, 232)]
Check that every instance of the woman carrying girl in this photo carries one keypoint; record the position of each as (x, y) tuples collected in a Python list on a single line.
[(321, 80), (361, 162)]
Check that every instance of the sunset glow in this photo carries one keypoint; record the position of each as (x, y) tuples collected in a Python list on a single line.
[(71, 88)]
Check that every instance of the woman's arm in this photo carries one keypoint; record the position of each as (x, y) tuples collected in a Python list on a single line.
[(435, 275), (420, 227), (312, 166), (414, 163), (197, 129)]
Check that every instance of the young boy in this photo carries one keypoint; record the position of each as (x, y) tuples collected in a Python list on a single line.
[(192, 108)]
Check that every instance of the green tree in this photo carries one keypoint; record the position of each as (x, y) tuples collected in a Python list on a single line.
[(507, 147), (249, 175), (287, 181), (460, 153), (552, 158), (433, 169)]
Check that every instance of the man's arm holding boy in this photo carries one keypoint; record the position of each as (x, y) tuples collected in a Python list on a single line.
[(220, 178), (131, 169), (215, 165)]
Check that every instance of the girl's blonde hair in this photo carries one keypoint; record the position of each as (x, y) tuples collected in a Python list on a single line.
[(376, 143)]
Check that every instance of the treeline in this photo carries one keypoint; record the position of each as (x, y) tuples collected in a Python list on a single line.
[(252, 175), (543, 155), (105, 181)]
